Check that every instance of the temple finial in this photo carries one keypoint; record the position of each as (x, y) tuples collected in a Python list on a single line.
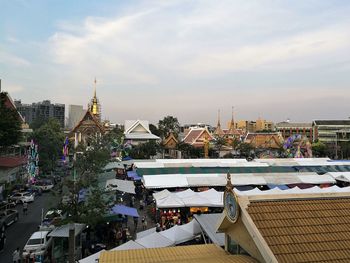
[(95, 88), (219, 124)]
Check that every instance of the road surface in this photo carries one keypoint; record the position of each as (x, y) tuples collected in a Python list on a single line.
[(18, 233)]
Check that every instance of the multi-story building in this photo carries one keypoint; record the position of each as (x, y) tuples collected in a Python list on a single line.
[(41, 110), (326, 130), (75, 114), (288, 129), (254, 126)]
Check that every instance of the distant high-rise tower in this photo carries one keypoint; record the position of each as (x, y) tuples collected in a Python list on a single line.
[(94, 106)]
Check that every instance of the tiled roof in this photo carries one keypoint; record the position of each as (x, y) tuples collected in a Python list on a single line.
[(192, 135), (304, 230), (190, 254), (12, 161)]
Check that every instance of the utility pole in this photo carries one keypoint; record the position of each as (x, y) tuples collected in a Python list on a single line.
[(71, 242)]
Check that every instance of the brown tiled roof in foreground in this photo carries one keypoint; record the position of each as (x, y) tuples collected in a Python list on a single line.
[(312, 230), (189, 254)]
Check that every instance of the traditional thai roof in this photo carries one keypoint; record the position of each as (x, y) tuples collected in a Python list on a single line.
[(170, 142), (196, 136), (138, 129), (88, 116), (293, 228), (11, 105), (12, 161), (265, 140)]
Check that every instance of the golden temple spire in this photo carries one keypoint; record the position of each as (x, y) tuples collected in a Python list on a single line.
[(219, 124), (218, 131), (232, 128), (95, 88)]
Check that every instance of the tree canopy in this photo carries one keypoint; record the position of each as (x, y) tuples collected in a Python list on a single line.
[(167, 125), (50, 139), (10, 124)]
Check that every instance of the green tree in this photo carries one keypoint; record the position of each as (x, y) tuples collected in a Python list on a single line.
[(189, 151), (319, 149), (219, 142), (235, 143), (90, 160), (37, 123), (10, 124), (245, 149), (89, 163), (167, 125), (50, 139), (153, 128), (145, 150)]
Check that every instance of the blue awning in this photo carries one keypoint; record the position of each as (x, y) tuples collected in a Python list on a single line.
[(124, 210), (127, 158), (280, 186), (133, 175)]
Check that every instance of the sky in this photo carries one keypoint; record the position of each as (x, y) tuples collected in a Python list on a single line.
[(272, 59)]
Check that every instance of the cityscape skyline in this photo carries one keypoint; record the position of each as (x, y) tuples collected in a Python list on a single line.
[(273, 60)]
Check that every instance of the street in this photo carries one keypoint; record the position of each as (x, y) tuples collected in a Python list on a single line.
[(18, 233)]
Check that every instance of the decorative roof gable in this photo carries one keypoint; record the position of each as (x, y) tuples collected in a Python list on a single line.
[(138, 126), (170, 142), (89, 117), (196, 136)]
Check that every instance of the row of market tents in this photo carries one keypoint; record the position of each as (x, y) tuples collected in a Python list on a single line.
[(170, 237)]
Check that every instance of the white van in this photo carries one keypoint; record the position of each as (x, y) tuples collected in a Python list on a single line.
[(38, 245)]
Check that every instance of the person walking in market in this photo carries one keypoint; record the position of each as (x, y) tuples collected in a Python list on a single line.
[(25, 208), (16, 256), (144, 223)]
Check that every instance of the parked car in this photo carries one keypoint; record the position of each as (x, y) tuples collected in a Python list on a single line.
[(21, 197), (38, 245), (44, 185), (53, 217), (7, 204), (8, 217)]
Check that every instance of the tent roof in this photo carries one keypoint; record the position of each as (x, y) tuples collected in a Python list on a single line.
[(133, 175), (208, 223), (124, 210), (128, 245), (177, 234), (155, 240), (121, 185), (145, 232)]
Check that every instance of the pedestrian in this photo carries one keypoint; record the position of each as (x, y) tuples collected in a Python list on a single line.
[(25, 208), (144, 223), (141, 204), (136, 220), (16, 256)]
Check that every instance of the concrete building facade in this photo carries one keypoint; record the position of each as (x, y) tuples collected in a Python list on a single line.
[(41, 110)]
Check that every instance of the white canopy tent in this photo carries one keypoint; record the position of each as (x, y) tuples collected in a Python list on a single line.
[(170, 201), (128, 245), (120, 185), (145, 233), (177, 235), (294, 190), (340, 176), (155, 240), (188, 198)]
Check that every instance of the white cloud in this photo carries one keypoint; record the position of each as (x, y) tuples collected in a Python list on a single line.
[(173, 57), (7, 58)]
